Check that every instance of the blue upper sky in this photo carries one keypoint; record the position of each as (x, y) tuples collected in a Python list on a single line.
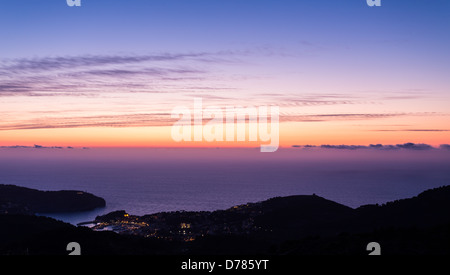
[(40, 27)]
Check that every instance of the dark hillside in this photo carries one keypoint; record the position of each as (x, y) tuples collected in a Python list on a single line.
[(15, 198)]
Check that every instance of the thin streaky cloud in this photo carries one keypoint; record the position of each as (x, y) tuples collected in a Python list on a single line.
[(405, 146), (334, 117), (117, 121), (413, 130), (159, 119), (71, 62), (102, 74)]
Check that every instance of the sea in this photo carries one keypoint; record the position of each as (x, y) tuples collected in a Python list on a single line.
[(151, 180)]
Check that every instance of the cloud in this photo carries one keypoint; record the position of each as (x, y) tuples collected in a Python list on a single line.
[(311, 100), (412, 146), (101, 74), (36, 146), (405, 146), (122, 120), (445, 146), (316, 102), (288, 117), (339, 117), (13, 87), (73, 62), (343, 147), (414, 130), (155, 71)]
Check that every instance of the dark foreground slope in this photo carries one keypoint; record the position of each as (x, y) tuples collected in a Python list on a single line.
[(294, 225), (431, 207), (418, 225), (15, 199), (37, 235)]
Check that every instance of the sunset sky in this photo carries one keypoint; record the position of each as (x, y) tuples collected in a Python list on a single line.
[(109, 73)]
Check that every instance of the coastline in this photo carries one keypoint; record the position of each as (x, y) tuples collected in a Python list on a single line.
[(294, 225)]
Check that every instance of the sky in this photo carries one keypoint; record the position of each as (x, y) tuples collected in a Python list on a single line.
[(109, 73)]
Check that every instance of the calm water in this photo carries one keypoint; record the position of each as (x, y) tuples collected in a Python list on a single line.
[(144, 182)]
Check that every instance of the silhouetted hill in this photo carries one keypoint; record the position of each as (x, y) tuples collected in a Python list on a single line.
[(429, 208), (296, 216), (37, 235), (434, 240), (25, 200)]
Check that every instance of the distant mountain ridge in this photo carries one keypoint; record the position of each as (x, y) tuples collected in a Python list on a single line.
[(15, 199)]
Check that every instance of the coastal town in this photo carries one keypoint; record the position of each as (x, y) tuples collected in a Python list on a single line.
[(182, 225)]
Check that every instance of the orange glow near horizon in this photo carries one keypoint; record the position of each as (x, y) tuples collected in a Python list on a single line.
[(291, 133)]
